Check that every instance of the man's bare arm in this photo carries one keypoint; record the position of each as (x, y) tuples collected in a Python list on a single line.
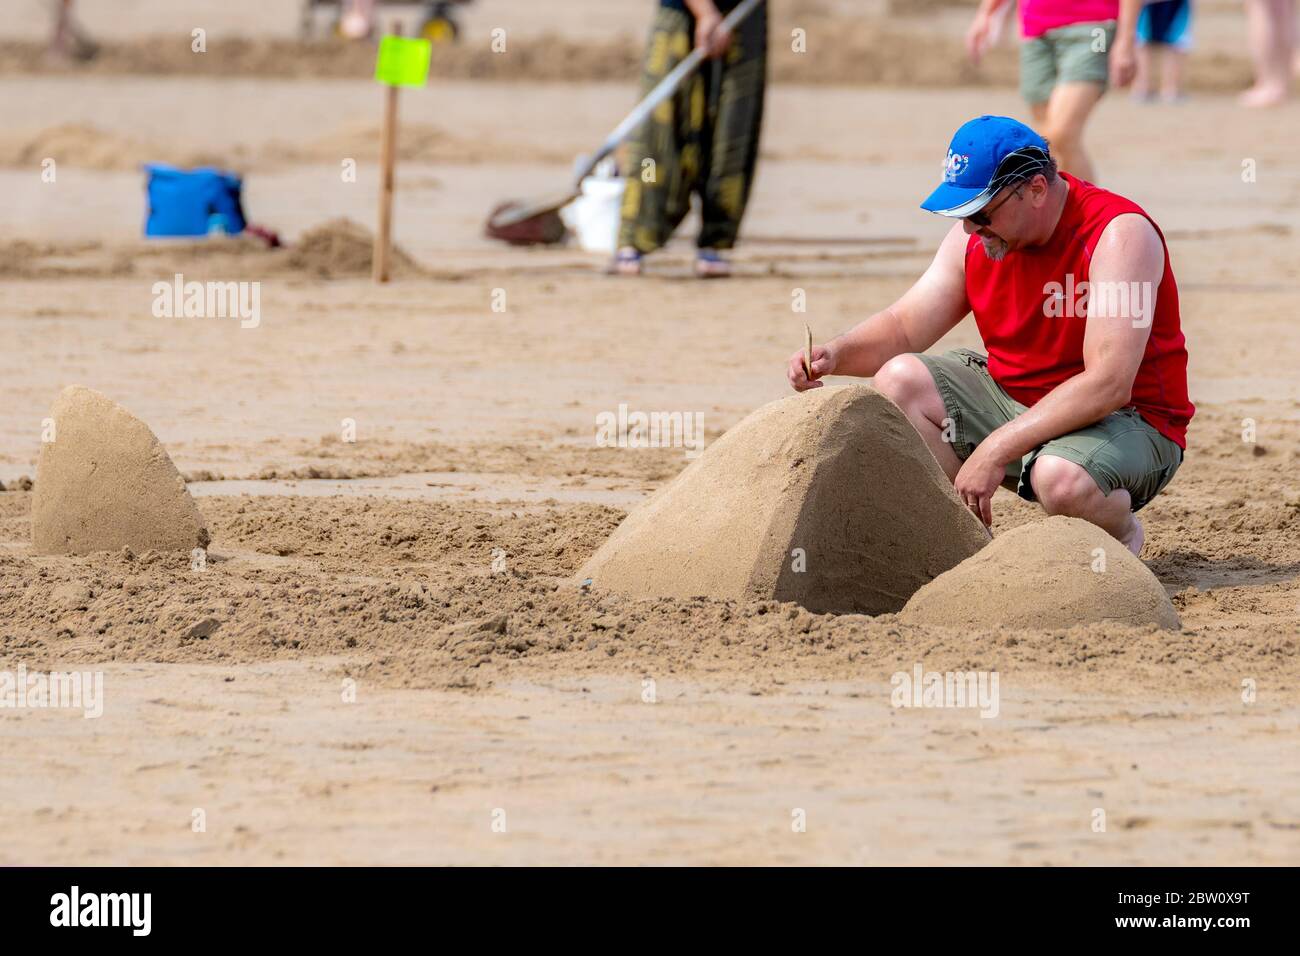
[(1128, 256), (924, 314)]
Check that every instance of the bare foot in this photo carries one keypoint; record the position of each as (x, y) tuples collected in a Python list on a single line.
[(1258, 97), (70, 45), (1135, 538)]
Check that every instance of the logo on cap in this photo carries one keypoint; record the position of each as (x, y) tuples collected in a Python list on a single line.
[(954, 166)]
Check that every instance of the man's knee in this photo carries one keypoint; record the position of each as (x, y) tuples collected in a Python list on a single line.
[(1062, 487), (906, 380)]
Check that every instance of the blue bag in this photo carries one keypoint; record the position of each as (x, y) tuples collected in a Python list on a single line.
[(193, 202)]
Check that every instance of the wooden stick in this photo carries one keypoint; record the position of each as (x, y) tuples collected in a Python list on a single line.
[(387, 158)]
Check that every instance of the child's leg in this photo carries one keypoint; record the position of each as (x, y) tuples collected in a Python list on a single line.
[(1171, 86), (1142, 83)]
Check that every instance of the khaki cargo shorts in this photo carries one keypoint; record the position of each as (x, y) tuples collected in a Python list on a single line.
[(1120, 451), (1074, 54)]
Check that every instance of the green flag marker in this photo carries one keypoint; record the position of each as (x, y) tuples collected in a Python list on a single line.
[(403, 61)]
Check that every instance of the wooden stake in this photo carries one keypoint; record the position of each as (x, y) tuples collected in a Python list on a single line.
[(387, 160)]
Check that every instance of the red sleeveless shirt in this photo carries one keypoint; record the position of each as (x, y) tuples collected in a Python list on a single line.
[(1031, 310)]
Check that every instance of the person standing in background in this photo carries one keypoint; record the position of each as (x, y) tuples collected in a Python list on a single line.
[(1164, 32), (357, 21), (1272, 35), (703, 140), (1071, 50), (69, 42)]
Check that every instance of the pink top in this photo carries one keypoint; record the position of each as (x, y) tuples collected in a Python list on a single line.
[(1039, 16)]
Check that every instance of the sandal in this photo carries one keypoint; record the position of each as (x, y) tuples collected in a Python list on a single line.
[(627, 262), (710, 265)]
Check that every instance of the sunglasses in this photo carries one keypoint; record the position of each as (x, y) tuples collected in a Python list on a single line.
[(984, 218)]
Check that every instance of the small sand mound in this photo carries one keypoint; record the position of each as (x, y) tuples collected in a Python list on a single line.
[(341, 247), (829, 499), (416, 142), (105, 483), (71, 143), (88, 147), (1042, 576)]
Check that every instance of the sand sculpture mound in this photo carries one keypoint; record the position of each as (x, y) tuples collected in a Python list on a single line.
[(829, 499), (106, 483), (1049, 574)]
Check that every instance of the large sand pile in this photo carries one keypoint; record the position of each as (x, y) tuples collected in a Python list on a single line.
[(829, 499), (105, 483), (1049, 574)]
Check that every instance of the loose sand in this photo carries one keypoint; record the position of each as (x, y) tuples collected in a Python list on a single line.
[(341, 248), (87, 146), (830, 500), (427, 561), (565, 41), (337, 249)]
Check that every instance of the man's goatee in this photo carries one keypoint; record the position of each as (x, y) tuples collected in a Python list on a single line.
[(995, 249)]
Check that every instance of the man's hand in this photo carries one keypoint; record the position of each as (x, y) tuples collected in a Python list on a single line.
[(980, 476), (823, 363), (709, 33)]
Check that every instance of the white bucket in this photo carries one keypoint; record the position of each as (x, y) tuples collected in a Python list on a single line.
[(594, 216)]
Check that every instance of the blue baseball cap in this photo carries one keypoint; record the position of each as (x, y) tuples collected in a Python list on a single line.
[(985, 155)]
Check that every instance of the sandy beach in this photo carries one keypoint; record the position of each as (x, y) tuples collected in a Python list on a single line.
[(385, 656)]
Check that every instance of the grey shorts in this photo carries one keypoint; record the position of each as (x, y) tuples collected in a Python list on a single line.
[(1121, 451), (1078, 53)]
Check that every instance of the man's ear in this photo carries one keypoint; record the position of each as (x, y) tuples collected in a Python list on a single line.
[(1038, 188)]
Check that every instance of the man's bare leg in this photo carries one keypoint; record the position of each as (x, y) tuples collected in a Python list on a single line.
[(1064, 488), (909, 384), (1067, 115)]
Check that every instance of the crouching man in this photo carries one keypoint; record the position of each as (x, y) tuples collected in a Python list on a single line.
[(1079, 401)]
